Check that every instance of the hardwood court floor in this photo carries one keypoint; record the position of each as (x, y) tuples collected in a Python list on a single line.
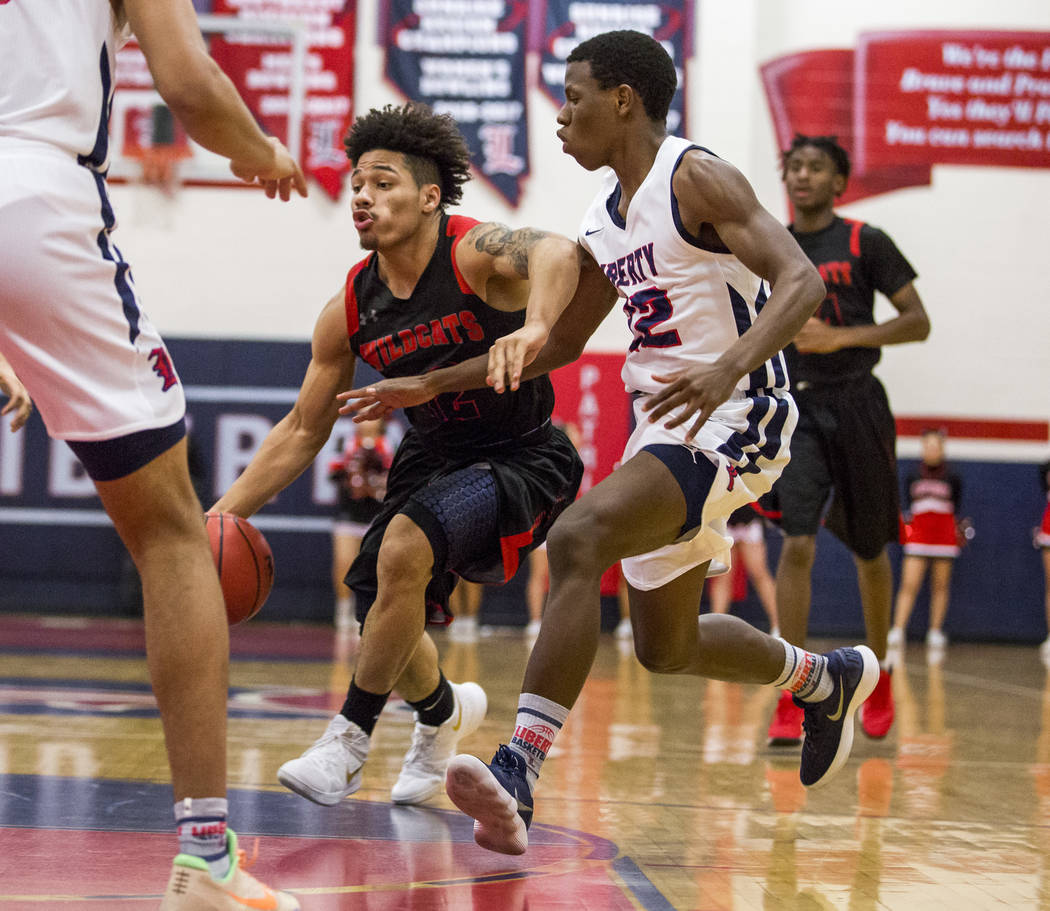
[(660, 794)]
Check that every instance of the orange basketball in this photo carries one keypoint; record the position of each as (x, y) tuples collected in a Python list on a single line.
[(244, 561)]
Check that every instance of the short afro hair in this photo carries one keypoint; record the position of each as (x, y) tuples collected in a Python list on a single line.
[(434, 149), (829, 145), (631, 58)]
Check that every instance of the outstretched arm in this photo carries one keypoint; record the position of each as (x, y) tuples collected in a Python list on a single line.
[(290, 448), (549, 262), (591, 302), (204, 99), (713, 191)]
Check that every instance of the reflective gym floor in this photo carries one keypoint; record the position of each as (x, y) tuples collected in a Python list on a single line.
[(660, 794)]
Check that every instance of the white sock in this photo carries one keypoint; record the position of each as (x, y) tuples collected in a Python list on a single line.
[(201, 825), (804, 674), (535, 728)]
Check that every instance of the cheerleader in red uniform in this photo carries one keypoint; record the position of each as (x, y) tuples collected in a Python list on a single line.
[(931, 540), (1042, 541)]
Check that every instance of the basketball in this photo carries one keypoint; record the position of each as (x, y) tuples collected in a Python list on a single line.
[(244, 562)]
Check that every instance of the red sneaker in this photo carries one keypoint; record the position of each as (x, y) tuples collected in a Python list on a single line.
[(785, 730), (876, 715)]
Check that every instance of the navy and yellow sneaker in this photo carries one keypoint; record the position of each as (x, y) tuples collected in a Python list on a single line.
[(497, 796), (829, 724)]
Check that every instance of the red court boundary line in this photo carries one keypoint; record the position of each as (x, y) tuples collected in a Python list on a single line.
[(976, 428)]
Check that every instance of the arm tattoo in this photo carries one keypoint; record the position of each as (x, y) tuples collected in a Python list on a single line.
[(500, 241)]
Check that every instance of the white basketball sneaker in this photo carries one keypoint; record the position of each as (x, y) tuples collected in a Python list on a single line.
[(423, 771), (331, 769)]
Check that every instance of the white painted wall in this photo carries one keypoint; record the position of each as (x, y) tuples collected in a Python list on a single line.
[(230, 263)]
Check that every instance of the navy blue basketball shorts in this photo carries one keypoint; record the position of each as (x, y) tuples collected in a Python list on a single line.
[(482, 516)]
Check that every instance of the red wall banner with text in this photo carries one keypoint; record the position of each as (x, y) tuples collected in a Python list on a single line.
[(260, 67), (907, 100)]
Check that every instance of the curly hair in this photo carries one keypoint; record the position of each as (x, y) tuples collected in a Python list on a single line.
[(631, 58), (434, 149), (829, 145)]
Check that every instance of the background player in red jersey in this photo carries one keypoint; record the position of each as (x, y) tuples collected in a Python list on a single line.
[(931, 541), (478, 478), (845, 440)]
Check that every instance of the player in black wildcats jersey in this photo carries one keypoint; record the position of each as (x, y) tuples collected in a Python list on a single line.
[(845, 439), (478, 478)]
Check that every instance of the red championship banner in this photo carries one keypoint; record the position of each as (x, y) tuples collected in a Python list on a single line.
[(590, 400), (261, 68), (907, 100)]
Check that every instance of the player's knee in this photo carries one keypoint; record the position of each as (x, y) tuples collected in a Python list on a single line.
[(405, 556), (660, 657), (798, 551), (577, 542)]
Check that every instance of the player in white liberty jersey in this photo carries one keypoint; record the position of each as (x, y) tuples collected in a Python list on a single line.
[(72, 328), (680, 238)]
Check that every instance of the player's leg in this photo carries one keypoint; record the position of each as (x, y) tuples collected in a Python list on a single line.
[(536, 590), (801, 492), (668, 640), (641, 508), (638, 508), (940, 591), (330, 769), (875, 578), (158, 517), (913, 571)]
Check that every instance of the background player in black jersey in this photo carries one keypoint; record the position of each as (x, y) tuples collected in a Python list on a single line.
[(478, 478), (845, 439)]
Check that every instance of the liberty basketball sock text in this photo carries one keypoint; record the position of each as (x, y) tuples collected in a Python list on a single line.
[(538, 722)]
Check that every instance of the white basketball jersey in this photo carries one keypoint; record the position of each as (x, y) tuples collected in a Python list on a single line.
[(685, 302), (55, 86)]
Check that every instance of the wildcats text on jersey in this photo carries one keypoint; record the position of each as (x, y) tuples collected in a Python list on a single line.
[(445, 331)]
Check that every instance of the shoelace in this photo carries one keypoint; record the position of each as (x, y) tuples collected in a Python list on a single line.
[(422, 745)]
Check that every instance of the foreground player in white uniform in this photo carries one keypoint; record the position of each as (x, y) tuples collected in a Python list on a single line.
[(681, 239), (71, 325)]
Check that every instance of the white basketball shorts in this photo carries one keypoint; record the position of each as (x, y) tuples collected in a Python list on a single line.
[(748, 441), (70, 321)]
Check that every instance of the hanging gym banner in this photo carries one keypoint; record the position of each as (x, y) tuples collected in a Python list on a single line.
[(260, 65), (568, 22), (466, 58), (904, 101)]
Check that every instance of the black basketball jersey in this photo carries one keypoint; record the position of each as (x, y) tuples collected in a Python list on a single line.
[(444, 322), (855, 260)]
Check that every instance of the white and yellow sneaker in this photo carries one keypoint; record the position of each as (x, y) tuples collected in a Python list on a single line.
[(192, 888), (423, 771), (330, 769)]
